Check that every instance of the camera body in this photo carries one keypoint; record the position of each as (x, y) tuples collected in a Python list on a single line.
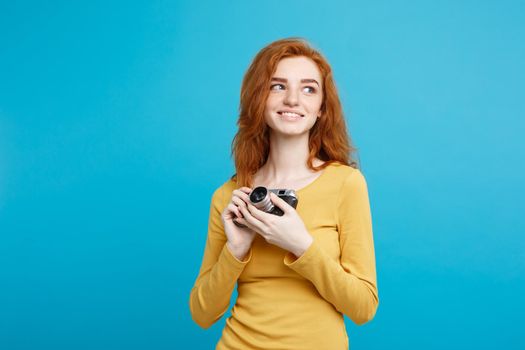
[(260, 198)]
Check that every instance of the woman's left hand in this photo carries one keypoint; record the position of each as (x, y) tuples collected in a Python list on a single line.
[(287, 231)]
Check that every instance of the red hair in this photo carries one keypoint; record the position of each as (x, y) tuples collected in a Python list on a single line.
[(328, 138)]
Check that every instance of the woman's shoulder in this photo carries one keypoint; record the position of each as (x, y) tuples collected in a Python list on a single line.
[(344, 171), (344, 178), (224, 191)]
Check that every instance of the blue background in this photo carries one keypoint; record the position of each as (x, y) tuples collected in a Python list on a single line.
[(115, 127)]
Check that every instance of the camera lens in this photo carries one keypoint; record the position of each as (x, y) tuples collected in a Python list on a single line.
[(260, 198), (258, 194)]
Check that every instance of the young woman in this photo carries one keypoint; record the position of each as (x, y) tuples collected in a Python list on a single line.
[(299, 273)]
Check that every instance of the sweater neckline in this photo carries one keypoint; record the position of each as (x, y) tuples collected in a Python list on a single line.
[(314, 181)]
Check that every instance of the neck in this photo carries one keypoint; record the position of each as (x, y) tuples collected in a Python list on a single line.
[(287, 158)]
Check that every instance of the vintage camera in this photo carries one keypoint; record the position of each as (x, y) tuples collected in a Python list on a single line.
[(260, 198)]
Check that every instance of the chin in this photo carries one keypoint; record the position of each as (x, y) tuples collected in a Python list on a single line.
[(288, 132)]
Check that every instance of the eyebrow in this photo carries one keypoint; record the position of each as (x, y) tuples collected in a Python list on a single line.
[(283, 80)]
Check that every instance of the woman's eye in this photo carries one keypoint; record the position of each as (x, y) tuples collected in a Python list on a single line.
[(275, 87), (310, 89)]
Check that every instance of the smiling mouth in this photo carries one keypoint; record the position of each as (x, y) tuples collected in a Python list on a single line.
[(290, 114)]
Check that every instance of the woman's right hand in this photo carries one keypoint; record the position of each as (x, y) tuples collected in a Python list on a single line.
[(240, 239)]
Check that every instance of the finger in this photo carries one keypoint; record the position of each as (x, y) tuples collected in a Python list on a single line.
[(243, 195), (238, 201), (251, 220), (241, 205), (279, 202), (258, 214), (245, 189), (241, 223), (235, 210)]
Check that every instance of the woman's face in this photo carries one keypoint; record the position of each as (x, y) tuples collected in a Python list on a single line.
[(295, 98)]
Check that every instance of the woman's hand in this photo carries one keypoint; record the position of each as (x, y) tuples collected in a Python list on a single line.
[(287, 231), (240, 239)]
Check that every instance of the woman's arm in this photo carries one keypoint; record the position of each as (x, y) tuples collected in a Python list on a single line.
[(211, 293), (350, 285)]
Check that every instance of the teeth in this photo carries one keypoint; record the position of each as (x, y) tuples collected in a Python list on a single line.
[(290, 114)]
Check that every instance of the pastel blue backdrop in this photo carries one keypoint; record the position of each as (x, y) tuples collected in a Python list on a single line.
[(115, 126)]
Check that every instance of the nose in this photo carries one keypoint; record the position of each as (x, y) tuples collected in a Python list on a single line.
[(291, 98)]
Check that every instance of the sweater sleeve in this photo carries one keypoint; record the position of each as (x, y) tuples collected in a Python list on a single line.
[(349, 284), (211, 293)]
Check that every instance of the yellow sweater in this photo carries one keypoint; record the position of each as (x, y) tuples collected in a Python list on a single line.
[(294, 303)]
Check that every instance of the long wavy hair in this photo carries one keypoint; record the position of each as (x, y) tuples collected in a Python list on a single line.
[(328, 138)]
